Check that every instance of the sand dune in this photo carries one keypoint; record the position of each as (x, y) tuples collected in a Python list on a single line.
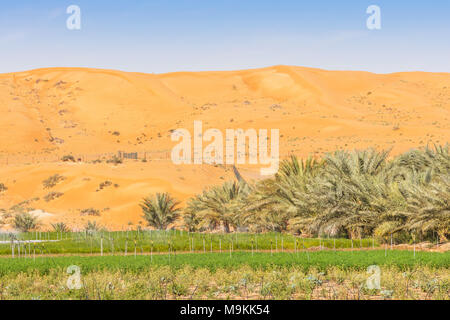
[(89, 113)]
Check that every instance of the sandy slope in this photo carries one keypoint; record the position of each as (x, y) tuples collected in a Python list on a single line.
[(47, 113)]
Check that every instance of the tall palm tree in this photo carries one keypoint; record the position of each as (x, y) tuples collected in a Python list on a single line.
[(428, 207), (220, 205), (191, 220), (160, 210), (263, 210)]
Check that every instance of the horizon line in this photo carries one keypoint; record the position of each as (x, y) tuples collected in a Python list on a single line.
[(221, 71)]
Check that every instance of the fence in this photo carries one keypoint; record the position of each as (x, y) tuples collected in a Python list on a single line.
[(18, 159)]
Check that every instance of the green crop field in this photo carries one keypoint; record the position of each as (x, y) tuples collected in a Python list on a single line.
[(163, 241), (322, 260), (300, 275)]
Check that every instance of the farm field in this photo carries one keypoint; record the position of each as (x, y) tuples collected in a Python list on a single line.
[(239, 275), (42, 243)]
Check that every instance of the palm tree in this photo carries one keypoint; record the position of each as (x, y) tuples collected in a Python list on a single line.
[(263, 210), (191, 220), (220, 205), (346, 193), (60, 227), (160, 211), (25, 222), (428, 207), (354, 191)]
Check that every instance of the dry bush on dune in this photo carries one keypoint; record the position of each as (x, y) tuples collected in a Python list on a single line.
[(90, 212), (52, 196), (68, 158), (104, 184), (115, 160), (52, 181)]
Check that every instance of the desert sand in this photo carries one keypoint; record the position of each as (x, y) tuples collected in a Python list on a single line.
[(92, 114)]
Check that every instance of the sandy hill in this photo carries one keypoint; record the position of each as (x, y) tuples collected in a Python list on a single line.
[(92, 114)]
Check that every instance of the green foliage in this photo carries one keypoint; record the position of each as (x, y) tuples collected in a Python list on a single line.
[(25, 222), (322, 260), (191, 220), (89, 240), (160, 211), (220, 206), (217, 277), (92, 227), (346, 194), (60, 227)]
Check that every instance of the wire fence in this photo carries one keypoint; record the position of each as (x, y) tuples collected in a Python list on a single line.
[(19, 159)]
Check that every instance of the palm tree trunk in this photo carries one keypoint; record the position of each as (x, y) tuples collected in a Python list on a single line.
[(226, 227)]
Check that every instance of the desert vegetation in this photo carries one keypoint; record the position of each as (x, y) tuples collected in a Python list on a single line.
[(52, 196), (68, 158), (346, 194), (3, 188), (90, 212), (52, 181)]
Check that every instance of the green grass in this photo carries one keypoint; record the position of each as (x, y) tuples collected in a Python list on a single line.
[(357, 260), (160, 241)]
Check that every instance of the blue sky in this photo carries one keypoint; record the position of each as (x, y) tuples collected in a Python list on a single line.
[(158, 36)]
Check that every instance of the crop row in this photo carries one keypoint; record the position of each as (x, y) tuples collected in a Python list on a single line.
[(322, 260), (161, 241)]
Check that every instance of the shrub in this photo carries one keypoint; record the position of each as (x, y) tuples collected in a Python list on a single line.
[(3, 187), (52, 196), (90, 212), (68, 158), (52, 181), (115, 160), (105, 184)]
